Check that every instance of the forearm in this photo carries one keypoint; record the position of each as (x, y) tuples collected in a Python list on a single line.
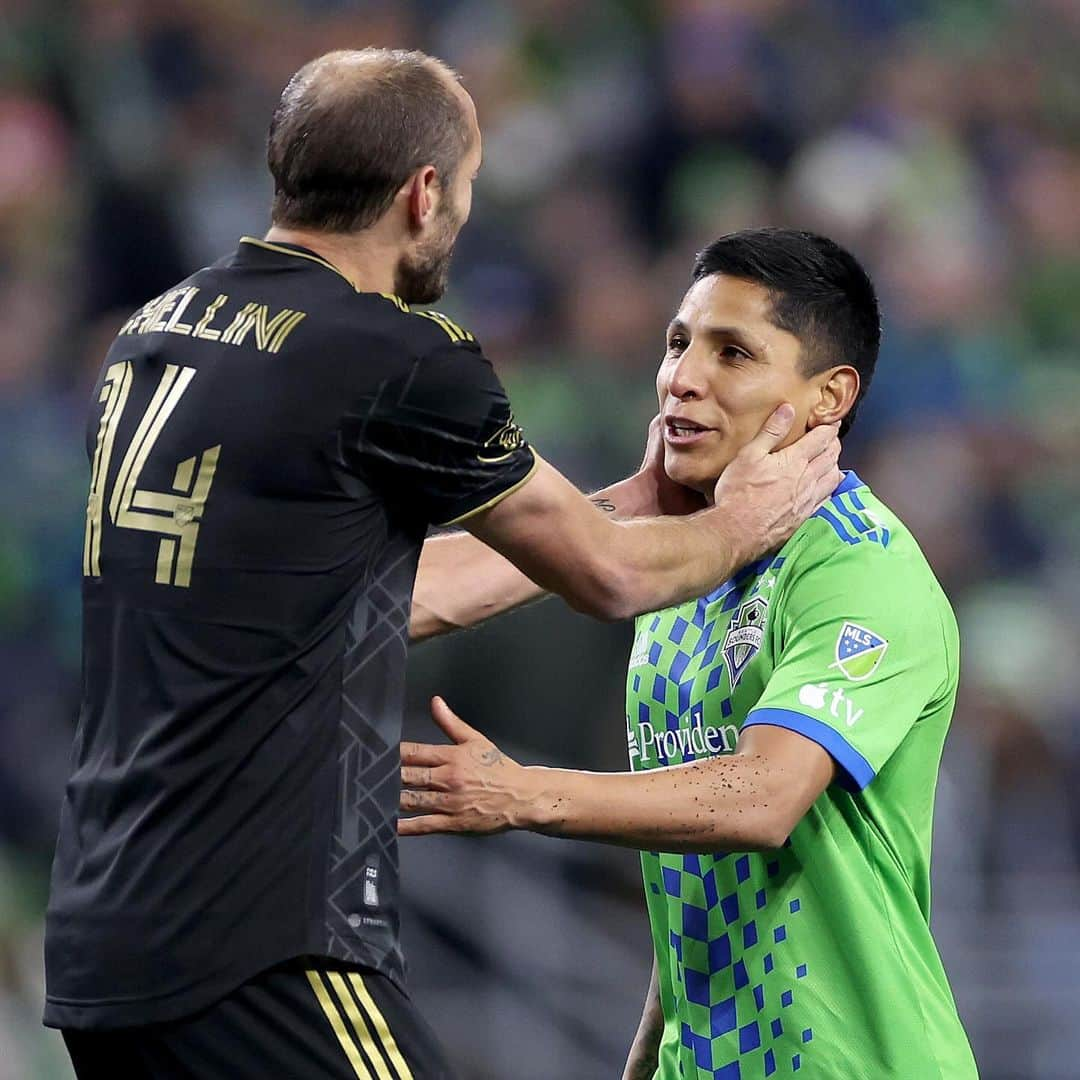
[(642, 1061), (461, 582), (660, 562), (725, 803)]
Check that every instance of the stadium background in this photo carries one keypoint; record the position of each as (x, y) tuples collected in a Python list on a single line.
[(940, 140)]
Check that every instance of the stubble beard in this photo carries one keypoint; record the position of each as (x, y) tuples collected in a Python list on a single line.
[(422, 278)]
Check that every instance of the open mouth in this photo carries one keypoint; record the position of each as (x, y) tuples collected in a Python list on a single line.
[(680, 431)]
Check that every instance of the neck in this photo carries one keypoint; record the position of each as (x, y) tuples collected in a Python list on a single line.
[(368, 259)]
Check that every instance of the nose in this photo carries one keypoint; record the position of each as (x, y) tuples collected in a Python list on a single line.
[(686, 377)]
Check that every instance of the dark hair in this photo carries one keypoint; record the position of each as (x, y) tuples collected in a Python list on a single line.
[(349, 130), (819, 293)]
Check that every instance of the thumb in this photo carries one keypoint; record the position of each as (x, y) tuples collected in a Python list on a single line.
[(452, 725), (773, 431)]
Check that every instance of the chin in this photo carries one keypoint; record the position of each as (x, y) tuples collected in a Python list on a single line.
[(690, 474)]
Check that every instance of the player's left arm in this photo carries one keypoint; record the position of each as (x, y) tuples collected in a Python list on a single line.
[(860, 653)]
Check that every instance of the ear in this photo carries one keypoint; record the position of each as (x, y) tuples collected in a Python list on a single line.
[(422, 193), (838, 389)]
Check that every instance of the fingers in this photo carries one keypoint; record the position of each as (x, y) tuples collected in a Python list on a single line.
[(415, 753), (773, 431), (434, 802), (818, 441), (427, 824), (439, 779), (654, 444), (455, 728)]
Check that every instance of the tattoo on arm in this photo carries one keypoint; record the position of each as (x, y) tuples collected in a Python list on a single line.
[(490, 757), (604, 504)]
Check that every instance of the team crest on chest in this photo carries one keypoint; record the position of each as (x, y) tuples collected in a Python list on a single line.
[(744, 636)]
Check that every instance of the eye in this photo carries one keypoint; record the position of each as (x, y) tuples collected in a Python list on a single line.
[(733, 352), (677, 343)]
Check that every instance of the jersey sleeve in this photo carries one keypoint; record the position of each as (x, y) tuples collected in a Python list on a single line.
[(440, 436), (861, 652)]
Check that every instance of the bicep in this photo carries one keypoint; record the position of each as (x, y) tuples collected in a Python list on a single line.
[(798, 769)]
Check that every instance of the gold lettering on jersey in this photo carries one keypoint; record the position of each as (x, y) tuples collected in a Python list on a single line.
[(294, 320), (175, 516), (251, 323), (163, 309), (257, 317), (174, 325), (114, 393), (202, 327)]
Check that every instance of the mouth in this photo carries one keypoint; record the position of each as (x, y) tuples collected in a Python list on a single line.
[(681, 431)]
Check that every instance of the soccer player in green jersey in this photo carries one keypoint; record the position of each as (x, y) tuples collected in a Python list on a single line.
[(784, 730)]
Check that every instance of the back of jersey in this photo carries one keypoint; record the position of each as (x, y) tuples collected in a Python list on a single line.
[(267, 449)]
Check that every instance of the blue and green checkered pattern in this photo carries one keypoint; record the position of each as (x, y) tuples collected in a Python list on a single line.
[(734, 960), (786, 963), (686, 661)]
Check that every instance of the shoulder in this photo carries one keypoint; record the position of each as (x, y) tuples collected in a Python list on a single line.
[(421, 332), (858, 543)]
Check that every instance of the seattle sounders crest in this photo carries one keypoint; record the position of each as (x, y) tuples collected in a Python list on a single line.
[(744, 636)]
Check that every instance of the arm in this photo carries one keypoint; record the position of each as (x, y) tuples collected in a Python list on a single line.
[(642, 1061), (616, 569), (462, 582), (745, 801)]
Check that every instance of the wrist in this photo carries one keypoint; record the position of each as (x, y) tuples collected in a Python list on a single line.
[(537, 800), (730, 536)]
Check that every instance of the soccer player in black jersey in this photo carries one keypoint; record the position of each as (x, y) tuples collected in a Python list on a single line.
[(269, 442)]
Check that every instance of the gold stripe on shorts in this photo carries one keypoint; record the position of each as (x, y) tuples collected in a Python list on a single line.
[(348, 1044), (360, 1026), (382, 1029)]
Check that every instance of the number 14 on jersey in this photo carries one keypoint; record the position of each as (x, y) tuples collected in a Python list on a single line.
[(174, 516)]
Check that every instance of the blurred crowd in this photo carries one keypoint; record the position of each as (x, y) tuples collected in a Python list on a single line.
[(938, 139)]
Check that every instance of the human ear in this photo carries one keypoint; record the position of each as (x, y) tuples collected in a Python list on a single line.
[(838, 390), (422, 191)]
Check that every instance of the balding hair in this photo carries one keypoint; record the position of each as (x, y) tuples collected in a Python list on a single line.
[(352, 126)]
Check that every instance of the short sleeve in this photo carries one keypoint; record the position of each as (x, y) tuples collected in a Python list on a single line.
[(861, 652), (439, 436)]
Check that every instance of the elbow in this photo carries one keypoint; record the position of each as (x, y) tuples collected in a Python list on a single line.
[(772, 828), (606, 592), (771, 836)]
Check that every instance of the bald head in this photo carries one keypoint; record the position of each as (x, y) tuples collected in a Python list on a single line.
[(352, 127)]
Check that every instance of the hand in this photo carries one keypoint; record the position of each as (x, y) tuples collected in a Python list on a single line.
[(769, 493), (671, 498), (469, 786)]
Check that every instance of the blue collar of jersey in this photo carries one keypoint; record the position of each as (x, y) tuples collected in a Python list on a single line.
[(849, 482)]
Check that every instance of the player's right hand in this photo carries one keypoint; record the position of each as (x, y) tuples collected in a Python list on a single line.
[(768, 492)]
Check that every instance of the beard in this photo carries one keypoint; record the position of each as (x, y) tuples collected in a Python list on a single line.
[(421, 277)]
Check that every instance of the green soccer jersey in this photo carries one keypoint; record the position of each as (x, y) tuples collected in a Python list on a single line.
[(817, 958)]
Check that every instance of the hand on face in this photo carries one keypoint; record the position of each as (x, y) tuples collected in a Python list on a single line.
[(771, 492), (726, 369), (469, 786)]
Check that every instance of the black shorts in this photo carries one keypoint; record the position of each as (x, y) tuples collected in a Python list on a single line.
[(305, 1019)]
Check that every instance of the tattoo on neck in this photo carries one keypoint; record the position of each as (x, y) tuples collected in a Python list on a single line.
[(604, 504)]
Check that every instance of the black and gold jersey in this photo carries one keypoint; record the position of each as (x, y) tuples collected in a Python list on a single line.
[(268, 448)]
